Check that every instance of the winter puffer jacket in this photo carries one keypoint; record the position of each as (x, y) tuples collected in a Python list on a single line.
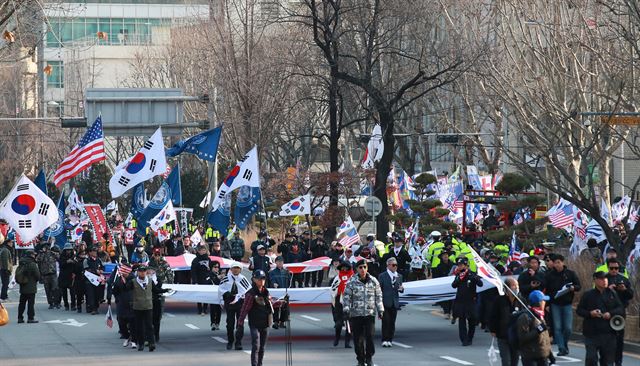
[(362, 298)]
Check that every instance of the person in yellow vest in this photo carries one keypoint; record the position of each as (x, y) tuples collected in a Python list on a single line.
[(612, 253), (134, 223), (434, 250)]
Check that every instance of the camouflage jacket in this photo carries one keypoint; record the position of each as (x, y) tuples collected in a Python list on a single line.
[(362, 298), (163, 270), (47, 262)]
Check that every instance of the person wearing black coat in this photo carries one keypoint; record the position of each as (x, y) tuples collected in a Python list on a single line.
[(442, 270), (556, 279), (400, 254), (78, 280), (117, 287), (464, 306), (157, 300), (622, 286), (215, 310), (296, 255), (500, 315), (200, 267), (532, 278), (318, 248), (597, 306), (67, 264)]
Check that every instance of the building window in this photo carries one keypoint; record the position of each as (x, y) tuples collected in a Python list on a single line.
[(56, 78), (119, 31)]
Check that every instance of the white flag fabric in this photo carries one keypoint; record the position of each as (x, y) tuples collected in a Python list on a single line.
[(297, 206), (620, 209), (487, 272), (74, 201), (28, 210), (205, 201), (93, 278), (245, 173), (167, 214), (112, 206), (146, 164), (196, 238), (375, 148)]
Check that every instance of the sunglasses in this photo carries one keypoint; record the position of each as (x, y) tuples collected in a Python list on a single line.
[(393, 265), (616, 268)]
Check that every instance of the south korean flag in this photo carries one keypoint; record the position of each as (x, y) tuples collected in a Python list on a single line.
[(166, 215), (297, 206), (245, 173), (28, 210), (146, 164)]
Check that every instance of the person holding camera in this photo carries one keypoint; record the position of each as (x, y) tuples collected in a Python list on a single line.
[(534, 343), (619, 283), (464, 305), (597, 306)]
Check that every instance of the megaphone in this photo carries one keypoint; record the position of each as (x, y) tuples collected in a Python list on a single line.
[(617, 322)]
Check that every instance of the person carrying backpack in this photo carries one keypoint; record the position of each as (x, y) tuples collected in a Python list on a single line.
[(27, 276), (532, 333)]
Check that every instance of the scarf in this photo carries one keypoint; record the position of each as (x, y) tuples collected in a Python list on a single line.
[(344, 278)]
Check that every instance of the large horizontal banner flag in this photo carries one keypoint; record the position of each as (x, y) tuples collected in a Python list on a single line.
[(183, 262)]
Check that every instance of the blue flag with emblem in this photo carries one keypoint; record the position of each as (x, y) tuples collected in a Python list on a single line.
[(221, 218), (41, 181), (247, 204), (173, 180), (138, 201), (204, 145), (58, 229), (160, 199)]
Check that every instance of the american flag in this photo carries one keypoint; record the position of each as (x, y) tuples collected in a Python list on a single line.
[(514, 250), (89, 150), (124, 271), (352, 237), (561, 215), (108, 319)]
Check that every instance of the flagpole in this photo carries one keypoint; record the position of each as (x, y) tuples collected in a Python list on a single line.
[(264, 211)]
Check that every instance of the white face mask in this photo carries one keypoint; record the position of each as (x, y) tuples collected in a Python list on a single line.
[(140, 249)]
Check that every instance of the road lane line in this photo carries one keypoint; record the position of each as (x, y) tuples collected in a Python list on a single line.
[(170, 315), (401, 345), (191, 326), (220, 339), (247, 352), (568, 359), (453, 359), (310, 318)]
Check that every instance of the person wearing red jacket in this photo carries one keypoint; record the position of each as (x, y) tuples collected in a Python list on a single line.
[(345, 272)]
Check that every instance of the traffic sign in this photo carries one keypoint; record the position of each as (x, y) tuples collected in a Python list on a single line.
[(373, 206), (621, 120)]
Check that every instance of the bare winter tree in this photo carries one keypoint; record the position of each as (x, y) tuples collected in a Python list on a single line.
[(556, 63), (395, 52)]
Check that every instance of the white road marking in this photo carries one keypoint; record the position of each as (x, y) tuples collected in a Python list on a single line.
[(568, 359), (191, 326), (453, 359), (247, 352), (220, 339), (170, 315), (71, 322), (310, 318), (401, 345)]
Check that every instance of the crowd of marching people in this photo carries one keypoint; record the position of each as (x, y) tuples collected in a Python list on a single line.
[(366, 281)]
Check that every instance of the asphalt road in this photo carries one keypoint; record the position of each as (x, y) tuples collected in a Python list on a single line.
[(423, 337)]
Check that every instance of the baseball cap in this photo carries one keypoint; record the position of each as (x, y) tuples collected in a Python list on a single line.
[(235, 265), (260, 247), (536, 296), (279, 258)]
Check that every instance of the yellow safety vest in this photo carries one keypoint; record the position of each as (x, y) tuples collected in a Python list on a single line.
[(434, 250), (134, 223)]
